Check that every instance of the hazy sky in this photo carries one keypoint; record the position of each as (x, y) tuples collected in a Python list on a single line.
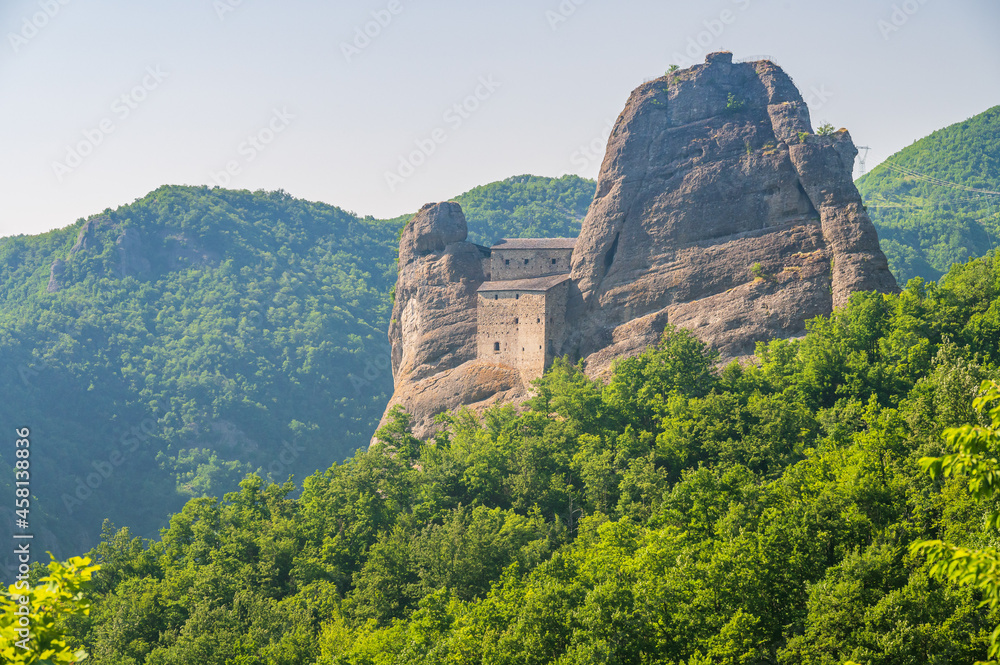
[(105, 100)]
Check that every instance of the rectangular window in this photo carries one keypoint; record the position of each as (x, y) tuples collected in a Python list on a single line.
[(506, 262), (526, 262), (496, 346), (553, 261)]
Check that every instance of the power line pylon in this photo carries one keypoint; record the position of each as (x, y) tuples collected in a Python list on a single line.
[(861, 158)]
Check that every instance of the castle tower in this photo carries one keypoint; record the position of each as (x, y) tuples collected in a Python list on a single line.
[(521, 312)]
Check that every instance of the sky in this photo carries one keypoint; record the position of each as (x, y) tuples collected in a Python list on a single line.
[(380, 106)]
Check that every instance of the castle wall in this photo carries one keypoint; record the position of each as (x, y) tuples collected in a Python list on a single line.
[(512, 330), (526, 263), (555, 316)]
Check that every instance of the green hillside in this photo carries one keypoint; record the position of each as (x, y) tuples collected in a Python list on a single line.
[(199, 334), (524, 206), (677, 515), (527, 207), (920, 199)]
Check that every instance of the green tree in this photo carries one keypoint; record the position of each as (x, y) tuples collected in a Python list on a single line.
[(976, 448), (33, 618)]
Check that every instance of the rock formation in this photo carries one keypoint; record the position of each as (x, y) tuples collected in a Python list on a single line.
[(55, 275), (707, 173), (717, 209), (433, 325), (131, 253)]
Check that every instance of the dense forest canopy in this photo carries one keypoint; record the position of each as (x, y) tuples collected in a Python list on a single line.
[(926, 223), (677, 514), (197, 335)]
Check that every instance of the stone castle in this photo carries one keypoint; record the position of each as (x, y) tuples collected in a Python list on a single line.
[(718, 209), (521, 310)]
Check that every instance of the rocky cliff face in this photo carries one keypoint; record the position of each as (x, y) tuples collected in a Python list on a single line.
[(433, 325), (709, 172)]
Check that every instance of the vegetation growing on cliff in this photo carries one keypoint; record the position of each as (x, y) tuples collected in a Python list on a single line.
[(678, 514)]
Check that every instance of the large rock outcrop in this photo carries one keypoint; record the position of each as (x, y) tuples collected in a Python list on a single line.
[(718, 209), (708, 172), (433, 325)]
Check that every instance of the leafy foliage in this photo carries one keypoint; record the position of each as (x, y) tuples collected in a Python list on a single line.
[(197, 335), (527, 206), (33, 623), (676, 514), (925, 227), (975, 457)]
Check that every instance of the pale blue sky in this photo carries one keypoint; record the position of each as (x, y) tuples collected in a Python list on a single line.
[(549, 81)]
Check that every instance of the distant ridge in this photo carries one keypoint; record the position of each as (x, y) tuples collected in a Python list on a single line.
[(936, 202)]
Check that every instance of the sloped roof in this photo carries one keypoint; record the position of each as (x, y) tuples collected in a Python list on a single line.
[(531, 284), (536, 243)]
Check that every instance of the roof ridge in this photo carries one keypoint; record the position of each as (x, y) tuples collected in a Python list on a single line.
[(545, 282)]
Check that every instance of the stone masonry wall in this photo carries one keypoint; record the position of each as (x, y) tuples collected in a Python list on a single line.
[(516, 321), (555, 317), (510, 263)]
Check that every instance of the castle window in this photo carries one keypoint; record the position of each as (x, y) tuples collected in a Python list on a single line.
[(526, 262), (516, 321), (506, 262), (496, 346), (496, 297), (517, 296), (538, 320), (553, 261)]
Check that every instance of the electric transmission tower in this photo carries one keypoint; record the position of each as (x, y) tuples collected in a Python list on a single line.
[(861, 158)]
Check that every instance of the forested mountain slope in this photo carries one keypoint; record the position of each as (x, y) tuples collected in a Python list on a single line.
[(923, 203), (163, 350), (678, 514)]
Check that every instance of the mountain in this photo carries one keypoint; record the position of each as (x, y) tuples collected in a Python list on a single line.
[(717, 209), (929, 201), (162, 350)]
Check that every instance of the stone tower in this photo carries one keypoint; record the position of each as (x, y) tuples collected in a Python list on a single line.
[(521, 311)]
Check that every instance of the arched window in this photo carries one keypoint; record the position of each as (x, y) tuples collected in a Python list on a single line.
[(496, 346)]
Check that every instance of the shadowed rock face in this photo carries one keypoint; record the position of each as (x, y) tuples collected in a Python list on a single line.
[(708, 172), (705, 175)]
